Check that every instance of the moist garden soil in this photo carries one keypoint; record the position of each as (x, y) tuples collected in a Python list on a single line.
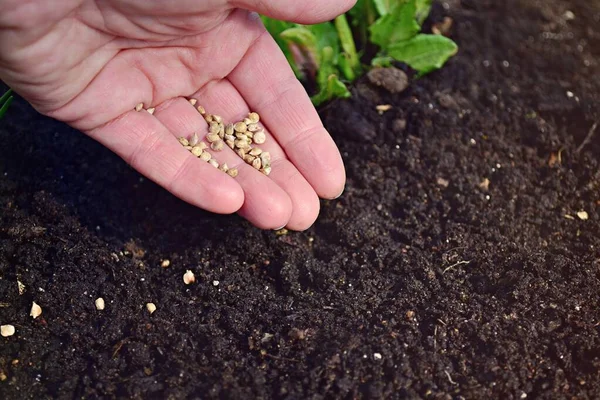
[(454, 266)]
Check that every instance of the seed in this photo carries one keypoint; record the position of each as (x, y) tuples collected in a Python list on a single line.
[(233, 172), (189, 277), (212, 137), (240, 127), (583, 215), (193, 101), (241, 135), (229, 137), (221, 131), (256, 163), (213, 162), (194, 139), (230, 143), (259, 136), (247, 121), (266, 170), (197, 151), (7, 330), (139, 107), (99, 303), (253, 127), (229, 130), (255, 151), (224, 167), (184, 141), (248, 159), (202, 145), (188, 148), (217, 119), (249, 135), (208, 118), (165, 263), (265, 158), (242, 144), (36, 310), (218, 145), (151, 307), (214, 127), (205, 156), (254, 117), (151, 110), (201, 110), (241, 153)]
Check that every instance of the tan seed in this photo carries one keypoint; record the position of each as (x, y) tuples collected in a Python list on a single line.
[(242, 144), (247, 121), (184, 141), (151, 307), (218, 145), (230, 143), (240, 127), (214, 128), (212, 137), (194, 139), (139, 107), (165, 263), (151, 110), (202, 145), (229, 137), (189, 277), (254, 117), (218, 119), (255, 151), (221, 131), (241, 153), (201, 110), (260, 137), (233, 172), (36, 310), (249, 135), (193, 101), (229, 130), (224, 167), (265, 157), (241, 135), (213, 162), (253, 127), (7, 330), (188, 148), (197, 151), (256, 163), (99, 303), (208, 118), (205, 156), (249, 159), (266, 170)]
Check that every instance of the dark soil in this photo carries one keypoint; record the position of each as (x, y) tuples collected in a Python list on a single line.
[(463, 292)]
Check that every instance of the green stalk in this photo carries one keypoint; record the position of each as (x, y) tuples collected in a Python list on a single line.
[(5, 101), (347, 40)]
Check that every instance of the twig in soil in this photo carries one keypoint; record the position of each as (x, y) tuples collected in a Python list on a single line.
[(455, 265), (588, 138), (280, 358), (450, 378)]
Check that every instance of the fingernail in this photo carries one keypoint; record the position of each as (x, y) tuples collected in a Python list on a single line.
[(278, 229), (339, 195)]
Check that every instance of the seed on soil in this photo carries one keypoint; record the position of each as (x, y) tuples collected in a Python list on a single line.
[(7, 330), (382, 108), (194, 139), (255, 151), (213, 162), (99, 304), (233, 172), (151, 307), (583, 215), (259, 136), (197, 151), (184, 141), (36, 310), (165, 263), (257, 164), (217, 145), (254, 117), (212, 137), (201, 110), (189, 277), (20, 287), (377, 356), (205, 156), (139, 107), (240, 127), (151, 110)]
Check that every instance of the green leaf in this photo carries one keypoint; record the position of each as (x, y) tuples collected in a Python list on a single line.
[(424, 53), (5, 103), (5, 96), (383, 6), (276, 28), (326, 36), (398, 25), (305, 40), (423, 9), (382, 61), (334, 88), (351, 62)]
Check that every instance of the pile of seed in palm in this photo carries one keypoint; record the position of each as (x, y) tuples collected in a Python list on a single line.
[(241, 137)]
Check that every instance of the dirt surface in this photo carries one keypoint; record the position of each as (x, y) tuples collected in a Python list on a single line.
[(455, 266)]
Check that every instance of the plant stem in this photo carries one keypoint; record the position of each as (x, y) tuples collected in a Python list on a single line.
[(347, 40)]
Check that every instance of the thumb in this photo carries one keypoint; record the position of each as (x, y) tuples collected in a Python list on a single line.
[(303, 12)]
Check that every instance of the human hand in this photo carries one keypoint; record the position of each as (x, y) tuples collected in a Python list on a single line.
[(88, 63)]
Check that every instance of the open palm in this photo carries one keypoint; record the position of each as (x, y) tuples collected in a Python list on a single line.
[(88, 63)]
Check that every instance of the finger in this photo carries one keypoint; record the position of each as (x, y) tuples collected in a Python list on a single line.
[(224, 96), (266, 205), (304, 12), (149, 147), (267, 83)]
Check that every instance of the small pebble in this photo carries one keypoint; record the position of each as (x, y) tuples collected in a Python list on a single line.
[(583, 215), (151, 307), (377, 356), (36, 310), (215, 283), (189, 277), (99, 304), (7, 330)]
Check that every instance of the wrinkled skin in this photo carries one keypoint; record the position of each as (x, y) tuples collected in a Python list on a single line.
[(88, 63)]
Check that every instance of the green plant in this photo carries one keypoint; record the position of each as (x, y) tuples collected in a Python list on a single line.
[(5, 101), (328, 55)]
